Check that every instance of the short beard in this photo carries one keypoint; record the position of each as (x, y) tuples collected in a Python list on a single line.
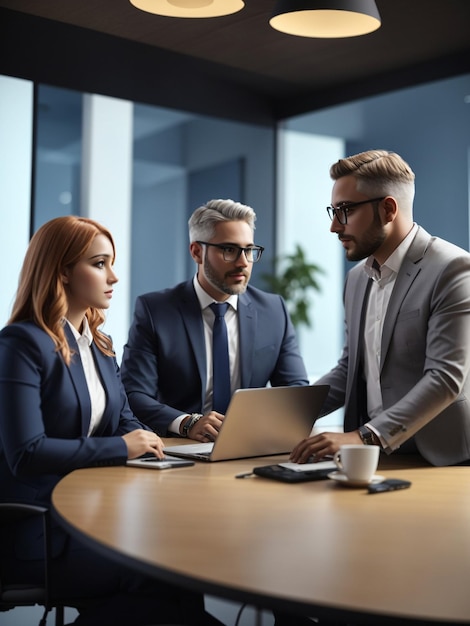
[(221, 285), (371, 241)]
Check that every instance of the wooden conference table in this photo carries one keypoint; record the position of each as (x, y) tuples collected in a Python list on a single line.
[(318, 547)]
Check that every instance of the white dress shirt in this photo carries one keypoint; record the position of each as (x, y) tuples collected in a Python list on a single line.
[(231, 320), (95, 388), (379, 297)]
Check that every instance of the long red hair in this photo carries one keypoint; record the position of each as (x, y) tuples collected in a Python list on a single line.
[(41, 297)]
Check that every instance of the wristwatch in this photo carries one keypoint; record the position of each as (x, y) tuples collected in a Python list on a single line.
[(368, 437)]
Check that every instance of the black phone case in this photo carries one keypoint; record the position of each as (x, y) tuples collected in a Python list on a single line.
[(285, 475), (389, 484)]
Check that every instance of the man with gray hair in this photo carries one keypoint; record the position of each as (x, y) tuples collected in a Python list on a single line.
[(403, 376), (172, 377)]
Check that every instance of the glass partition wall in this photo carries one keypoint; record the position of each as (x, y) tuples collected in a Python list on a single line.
[(140, 170), (143, 169)]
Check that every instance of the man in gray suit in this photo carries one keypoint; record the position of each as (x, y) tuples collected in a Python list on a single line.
[(403, 376)]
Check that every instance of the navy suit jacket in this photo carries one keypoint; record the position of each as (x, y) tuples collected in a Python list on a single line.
[(45, 414), (164, 361)]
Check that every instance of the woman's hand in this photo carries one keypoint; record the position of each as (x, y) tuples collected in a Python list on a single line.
[(141, 442)]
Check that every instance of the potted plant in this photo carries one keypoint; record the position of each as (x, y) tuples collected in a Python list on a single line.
[(294, 277)]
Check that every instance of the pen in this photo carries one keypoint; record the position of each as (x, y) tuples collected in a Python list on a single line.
[(244, 475)]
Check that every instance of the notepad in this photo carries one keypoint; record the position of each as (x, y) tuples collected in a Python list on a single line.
[(309, 467)]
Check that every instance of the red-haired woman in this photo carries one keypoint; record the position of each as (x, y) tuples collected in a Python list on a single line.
[(63, 407)]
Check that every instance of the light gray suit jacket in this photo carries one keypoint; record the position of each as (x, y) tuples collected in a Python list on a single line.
[(424, 374)]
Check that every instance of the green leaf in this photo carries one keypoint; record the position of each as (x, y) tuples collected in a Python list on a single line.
[(293, 279)]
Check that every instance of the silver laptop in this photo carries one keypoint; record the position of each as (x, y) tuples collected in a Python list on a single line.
[(260, 422)]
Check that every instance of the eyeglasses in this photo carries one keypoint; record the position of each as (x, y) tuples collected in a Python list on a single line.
[(341, 212), (233, 253)]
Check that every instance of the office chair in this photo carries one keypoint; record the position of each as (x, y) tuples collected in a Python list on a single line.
[(31, 594)]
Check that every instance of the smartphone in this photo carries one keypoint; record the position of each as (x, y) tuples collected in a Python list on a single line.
[(389, 484)]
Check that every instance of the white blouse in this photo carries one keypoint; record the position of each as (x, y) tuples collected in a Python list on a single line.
[(95, 388)]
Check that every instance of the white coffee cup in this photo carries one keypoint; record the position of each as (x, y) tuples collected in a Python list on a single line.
[(357, 462)]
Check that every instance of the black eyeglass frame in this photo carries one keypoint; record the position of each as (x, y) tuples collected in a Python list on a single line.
[(341, 212), (251, 249)]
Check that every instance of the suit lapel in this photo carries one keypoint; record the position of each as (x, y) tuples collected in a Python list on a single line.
[(247, 320), (107, 373), (79, 382), (409, 270), (360, 293), (190, 312)]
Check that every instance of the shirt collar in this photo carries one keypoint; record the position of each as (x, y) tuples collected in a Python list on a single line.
[(86, 332), (206, 300), (394, 261)]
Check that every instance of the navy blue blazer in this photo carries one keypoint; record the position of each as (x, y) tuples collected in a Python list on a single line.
[(164, 361), (45, 414)]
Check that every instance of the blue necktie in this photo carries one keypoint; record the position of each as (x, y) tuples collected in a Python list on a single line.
[(220, 360)]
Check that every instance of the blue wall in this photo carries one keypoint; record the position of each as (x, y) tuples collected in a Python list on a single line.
[(429, 126)]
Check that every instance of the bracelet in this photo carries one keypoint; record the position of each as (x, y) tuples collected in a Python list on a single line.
[(193, 418)]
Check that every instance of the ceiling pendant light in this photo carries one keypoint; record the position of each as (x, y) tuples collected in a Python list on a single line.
[(189, 8), (325, 18)]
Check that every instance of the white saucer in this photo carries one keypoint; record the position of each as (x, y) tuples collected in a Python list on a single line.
[(344, 480)]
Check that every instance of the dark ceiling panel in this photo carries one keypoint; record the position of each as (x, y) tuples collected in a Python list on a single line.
[(419, 40)]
